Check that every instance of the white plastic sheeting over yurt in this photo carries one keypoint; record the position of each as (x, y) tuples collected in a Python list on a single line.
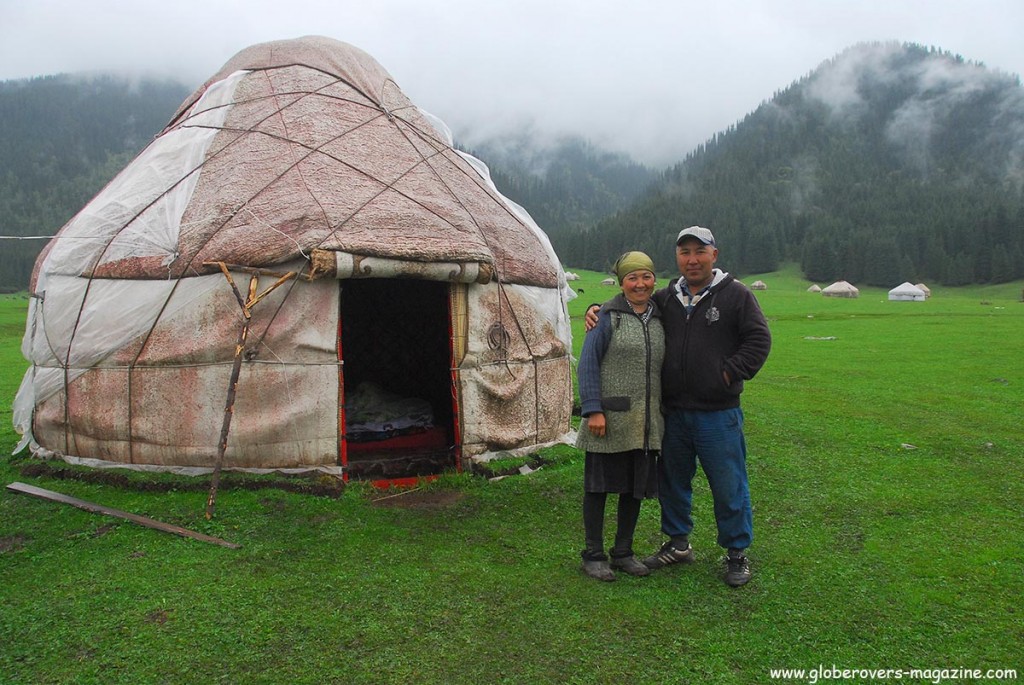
[(840, 289), (907, 292), (301, 210)]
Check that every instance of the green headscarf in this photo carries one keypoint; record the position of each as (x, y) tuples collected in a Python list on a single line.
[(632, 261)]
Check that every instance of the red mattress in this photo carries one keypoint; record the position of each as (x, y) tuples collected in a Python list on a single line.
[(426, 439)]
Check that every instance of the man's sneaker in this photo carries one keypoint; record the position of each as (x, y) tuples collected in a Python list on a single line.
[(669, 554), (737, 568), (629, 565), (598, 570)]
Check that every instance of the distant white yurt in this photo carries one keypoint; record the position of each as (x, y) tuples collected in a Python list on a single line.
[(840, 289), (608, 281), (759, 285), (815, 288), (907, 292), (570, 276), (926, 289)]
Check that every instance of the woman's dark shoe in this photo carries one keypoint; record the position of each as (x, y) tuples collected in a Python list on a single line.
[(630, 565), (598, 570)]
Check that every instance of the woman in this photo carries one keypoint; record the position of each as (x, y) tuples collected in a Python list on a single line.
[(619, 376)]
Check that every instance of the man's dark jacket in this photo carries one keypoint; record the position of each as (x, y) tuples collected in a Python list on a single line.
[(726, 331)]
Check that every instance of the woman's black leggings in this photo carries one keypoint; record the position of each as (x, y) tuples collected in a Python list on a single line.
[(593, 524)]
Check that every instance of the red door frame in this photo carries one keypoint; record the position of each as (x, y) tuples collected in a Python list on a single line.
[(410, 481)]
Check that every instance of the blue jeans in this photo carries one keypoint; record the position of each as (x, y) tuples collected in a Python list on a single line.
[(716, 439)]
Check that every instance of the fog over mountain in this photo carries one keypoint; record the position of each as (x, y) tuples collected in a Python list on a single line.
[(890, 162), (934, 91), (649, 78), (902, 147)]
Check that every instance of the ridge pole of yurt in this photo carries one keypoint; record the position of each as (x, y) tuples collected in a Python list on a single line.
[(236, 368)]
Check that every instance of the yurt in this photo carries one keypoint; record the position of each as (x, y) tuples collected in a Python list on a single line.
[(907, 292), (925, 289), (840, 289), (298, 272), (759, 285), (815, 288)]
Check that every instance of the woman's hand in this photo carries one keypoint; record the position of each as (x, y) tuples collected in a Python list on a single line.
[(596, 424)]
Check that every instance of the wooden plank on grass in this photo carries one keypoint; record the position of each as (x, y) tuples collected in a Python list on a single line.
[(52, 496)]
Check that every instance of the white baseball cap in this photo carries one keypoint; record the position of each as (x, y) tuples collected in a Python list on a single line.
[(699, 232)]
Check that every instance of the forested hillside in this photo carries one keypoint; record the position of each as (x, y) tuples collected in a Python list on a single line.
[(887, 163), (568, 186), (61, 139)]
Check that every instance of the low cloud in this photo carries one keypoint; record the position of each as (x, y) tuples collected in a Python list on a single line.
[(651, 78)]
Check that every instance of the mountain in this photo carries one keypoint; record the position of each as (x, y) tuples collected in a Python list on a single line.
[(62, 138), (567, 185), (887, 163)]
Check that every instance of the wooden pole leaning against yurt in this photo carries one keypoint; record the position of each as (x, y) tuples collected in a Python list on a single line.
[(236, 367)]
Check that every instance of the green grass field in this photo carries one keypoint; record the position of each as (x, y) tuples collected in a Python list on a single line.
[(885, 462)]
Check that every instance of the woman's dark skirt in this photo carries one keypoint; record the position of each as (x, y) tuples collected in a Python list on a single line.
[(633, 471)]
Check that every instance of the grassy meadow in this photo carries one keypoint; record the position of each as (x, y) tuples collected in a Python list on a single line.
[(886, 452)]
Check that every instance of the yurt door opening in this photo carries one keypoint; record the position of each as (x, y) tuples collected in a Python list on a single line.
[(397, 416)]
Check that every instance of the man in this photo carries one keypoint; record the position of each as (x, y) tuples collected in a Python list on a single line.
[(716, 337)]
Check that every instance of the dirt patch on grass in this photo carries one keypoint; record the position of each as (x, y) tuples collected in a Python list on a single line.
[(12, 543), (103, 530), (159, 616)]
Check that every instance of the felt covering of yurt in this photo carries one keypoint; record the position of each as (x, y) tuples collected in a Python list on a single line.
[(907, 292), (299, 209), (841, 289)]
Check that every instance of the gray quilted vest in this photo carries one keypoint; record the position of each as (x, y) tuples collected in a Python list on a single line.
[(630, 387)]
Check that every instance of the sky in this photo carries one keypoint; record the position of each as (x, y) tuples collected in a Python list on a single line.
[(651, 78)]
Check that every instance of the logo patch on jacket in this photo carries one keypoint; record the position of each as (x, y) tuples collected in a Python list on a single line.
[(712, 315)]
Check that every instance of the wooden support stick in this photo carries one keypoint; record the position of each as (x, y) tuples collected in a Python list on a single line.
[(284, 279), (229, 407), (231, 282), (52, 496), (246, 269), (236, 367)]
